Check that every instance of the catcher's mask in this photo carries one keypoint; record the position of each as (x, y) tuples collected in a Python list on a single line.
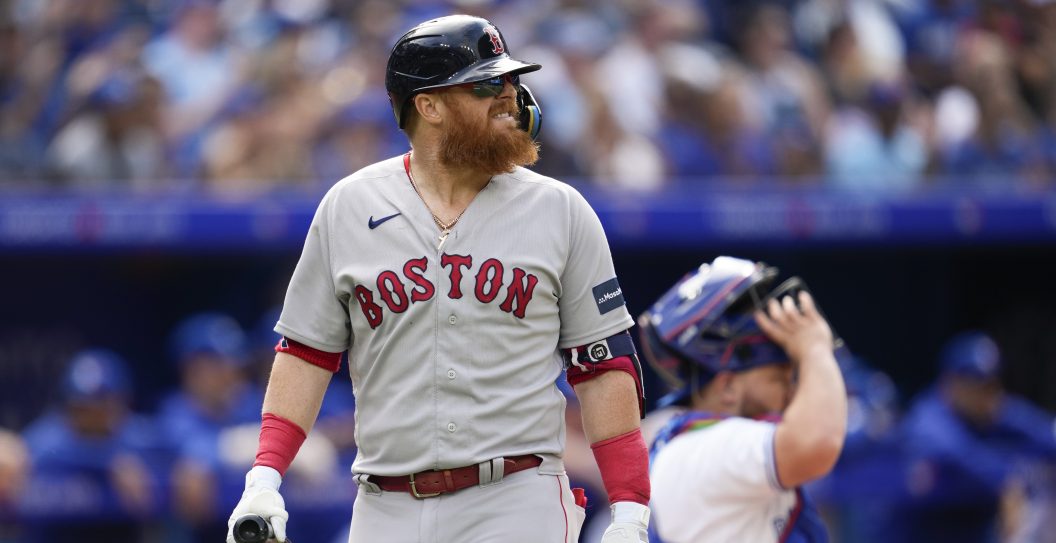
[(450, 51), (705, 324)]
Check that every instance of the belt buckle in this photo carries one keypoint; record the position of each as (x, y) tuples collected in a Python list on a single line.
[(414, 491)]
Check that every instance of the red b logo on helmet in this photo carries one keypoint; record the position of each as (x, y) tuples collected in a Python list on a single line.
[(496, 40)]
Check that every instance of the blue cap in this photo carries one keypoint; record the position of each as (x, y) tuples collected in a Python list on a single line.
[(214, 334), (971, 354), (95, 373)]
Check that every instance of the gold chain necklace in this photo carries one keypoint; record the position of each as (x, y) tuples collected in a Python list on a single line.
[(445, 228)]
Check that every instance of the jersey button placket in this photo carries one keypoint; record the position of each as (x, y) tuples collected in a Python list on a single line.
[(452, 427), (452, 320)]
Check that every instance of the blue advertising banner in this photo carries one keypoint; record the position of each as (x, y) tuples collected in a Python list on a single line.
[(677, 218)]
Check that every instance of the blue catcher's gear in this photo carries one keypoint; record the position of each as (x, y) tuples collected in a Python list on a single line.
[(705, 324)]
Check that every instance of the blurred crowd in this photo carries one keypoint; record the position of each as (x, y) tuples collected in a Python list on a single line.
[(245, 94)]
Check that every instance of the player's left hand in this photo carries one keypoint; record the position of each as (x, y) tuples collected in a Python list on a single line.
[(630, 524)]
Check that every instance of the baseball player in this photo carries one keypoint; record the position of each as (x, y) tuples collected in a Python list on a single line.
[(968, 441), (461, 285), (728, 468)]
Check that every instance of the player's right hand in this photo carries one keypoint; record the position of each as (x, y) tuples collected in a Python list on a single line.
[(261, 497), (799, 329)]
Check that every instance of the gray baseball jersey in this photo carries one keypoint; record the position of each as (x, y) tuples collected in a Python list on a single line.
[(453, 352)]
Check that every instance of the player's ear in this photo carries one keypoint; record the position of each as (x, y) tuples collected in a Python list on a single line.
[(427, 106)]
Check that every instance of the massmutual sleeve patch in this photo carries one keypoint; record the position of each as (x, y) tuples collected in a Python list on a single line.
[(608, 296)]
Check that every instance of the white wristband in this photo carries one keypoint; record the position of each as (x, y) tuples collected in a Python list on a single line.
[(631, 513), (263, 476)]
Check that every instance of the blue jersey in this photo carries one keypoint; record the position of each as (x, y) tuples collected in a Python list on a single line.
[(957, 471), (72, 476)]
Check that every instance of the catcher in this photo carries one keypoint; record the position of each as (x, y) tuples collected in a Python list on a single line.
[(765, 406)]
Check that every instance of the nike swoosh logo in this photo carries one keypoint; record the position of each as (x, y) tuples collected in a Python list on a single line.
[(376, 223)]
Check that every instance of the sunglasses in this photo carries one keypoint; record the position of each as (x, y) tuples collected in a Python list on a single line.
[(490, 88)]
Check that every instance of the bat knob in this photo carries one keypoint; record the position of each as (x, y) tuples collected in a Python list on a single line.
[(251, 529)]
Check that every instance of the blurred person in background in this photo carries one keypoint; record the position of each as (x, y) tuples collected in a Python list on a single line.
[(1036, 58), (14, 472), (271, 143), (730, 467), (784, 93), (199, 71), (30, 95), (931, 30), (965, 440), (95, 466), (356, 137), (628, 153), (1005, 139), (215, 395), (874, 145), (705, 133), (116, 139), (569, 42)]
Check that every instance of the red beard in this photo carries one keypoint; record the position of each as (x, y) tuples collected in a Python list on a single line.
[(474, 143)]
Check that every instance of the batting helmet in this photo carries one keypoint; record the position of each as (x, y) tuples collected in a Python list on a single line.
[(704, 324), (450, 51)]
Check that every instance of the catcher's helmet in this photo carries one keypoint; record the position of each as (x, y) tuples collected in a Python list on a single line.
[(450, 51), (705, 324)]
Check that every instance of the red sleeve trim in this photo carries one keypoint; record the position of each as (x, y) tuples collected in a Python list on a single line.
[(624, 464), (578, 374), (311, 355), (280, 439)]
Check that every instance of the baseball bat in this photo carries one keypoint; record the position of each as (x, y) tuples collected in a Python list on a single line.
[(253, 529)]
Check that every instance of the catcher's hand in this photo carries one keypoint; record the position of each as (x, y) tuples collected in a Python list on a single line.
[(630, 524), (262, 498)]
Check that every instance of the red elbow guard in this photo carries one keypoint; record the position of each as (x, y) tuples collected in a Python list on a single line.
[(328, 361), (627, 364), (280, 439), (624, 464)]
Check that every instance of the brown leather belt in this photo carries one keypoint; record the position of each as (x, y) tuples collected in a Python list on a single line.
[(427, 484)]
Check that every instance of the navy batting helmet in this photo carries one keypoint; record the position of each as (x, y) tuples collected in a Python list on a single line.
[(705, 324), (450, 51)]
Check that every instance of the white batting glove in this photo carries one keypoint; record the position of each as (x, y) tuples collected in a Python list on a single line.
[(630, 524), (261, 497)]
